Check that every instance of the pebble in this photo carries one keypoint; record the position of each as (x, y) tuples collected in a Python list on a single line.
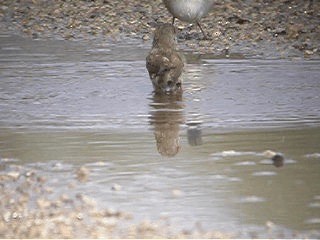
[(116, 187), (43, 203), (269, 153), (277, 158), (177, 193), (13, 175), (82, 174)]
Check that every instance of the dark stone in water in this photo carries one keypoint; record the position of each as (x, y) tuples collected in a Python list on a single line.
[(194, 136), (278, 160)]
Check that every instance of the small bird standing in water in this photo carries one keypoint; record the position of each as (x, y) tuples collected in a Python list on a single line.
[(164, 63), (189, 10)]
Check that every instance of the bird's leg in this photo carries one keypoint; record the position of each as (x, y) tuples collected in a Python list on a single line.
[(204, 34), (173, 18)]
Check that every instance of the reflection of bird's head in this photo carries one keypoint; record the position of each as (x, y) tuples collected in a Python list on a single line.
[(165, 36)]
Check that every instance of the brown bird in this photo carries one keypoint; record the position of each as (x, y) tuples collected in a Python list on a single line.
[(164, 62)]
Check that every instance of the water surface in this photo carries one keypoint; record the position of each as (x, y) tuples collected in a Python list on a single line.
[(196, 159)]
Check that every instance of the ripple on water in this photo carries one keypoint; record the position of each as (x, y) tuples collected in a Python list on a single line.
[(99, 164), (264, 173), (251, 199), (314, 205), (270, 162), (313, 155), (313, 221), (225, 178), (245, 163), (8, 160), (232, 153), (52, 166), (11, 48), (266, 161)]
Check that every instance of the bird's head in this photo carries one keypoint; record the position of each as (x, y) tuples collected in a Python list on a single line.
[(165, 36)]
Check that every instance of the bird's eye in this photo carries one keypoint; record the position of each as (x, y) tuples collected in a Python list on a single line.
[(170, 83), (178, 84)]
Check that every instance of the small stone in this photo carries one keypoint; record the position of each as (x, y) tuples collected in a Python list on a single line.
[(41, 179), (269, 153), (4, 8), (6, 216), (177, 193), (80, 216), (87, 200), (65, 198), (278, 160), (29, 174), (13, 175), (308, 52), (145, 37), (116, 187), (16, 215), (83, 174), (43, 203), (110, 212), (270, 224)]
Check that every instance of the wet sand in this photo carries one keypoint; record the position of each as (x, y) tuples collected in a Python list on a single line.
[(266, 29)]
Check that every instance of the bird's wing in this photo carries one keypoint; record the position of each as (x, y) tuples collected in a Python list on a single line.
[(176, 63), (160, 61), (157, 62)]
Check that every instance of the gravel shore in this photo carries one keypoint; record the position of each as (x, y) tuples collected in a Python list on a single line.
[(266, 29), (31, 207)]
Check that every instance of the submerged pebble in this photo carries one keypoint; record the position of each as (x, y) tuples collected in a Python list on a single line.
[(83, 174), (276, 158), (116, 187), (177, 193)]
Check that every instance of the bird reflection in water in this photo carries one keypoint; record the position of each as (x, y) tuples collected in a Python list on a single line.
[(166, 115), (194, 134)]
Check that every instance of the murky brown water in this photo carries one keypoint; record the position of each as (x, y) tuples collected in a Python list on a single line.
[(195, 158)]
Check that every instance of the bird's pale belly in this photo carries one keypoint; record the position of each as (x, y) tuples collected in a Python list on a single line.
[(188, 10)]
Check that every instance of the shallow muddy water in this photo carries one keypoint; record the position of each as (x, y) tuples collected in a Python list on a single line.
[(196, 159)]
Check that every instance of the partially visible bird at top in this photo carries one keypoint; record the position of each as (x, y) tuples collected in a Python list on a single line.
[(164, 63), (189, 10)]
